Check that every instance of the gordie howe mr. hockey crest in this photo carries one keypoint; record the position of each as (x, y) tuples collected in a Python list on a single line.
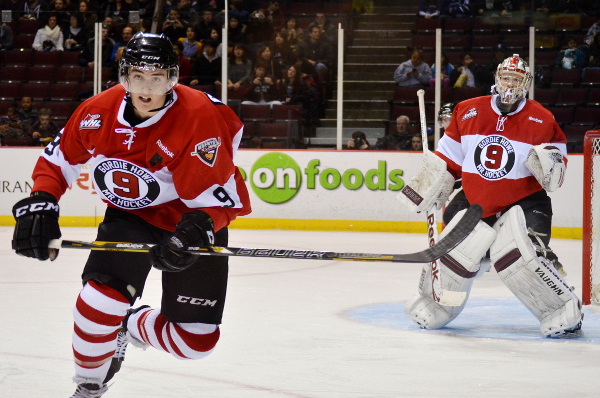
[(158, 169)]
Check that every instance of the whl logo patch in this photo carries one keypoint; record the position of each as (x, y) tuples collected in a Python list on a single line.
[(207, 150), (90, 122)]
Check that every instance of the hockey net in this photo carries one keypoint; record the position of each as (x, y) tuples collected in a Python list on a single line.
[(591, 218)]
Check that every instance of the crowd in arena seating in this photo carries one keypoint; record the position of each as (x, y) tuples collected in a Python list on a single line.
[(47, 48), (477, 35)]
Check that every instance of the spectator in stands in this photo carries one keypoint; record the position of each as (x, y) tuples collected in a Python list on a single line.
[(11, 129), (261, 89), (283, 56), (192, 47), (27, 112), (118, 10), (146, 10), (14, 6), (489, 76), (206, 25), (185, 67), (239, 69), (86, 57), (400, 140), (260, 28), (236, 31), (416, 142), (126, 35), (173, 27), (215, 35), (445, 70), (237, 9), (63, 16), (358, 141), (455, 8), (7, 41), (293, 33), (429, 9), (495, 9), (50, 37), (468, 73), (594, 53), (188, 12), (328, 30), (362, 6), (316, 55), (265, 57), (207, 67), (76, 36), (111, 29), (295, 91), (34, 10), (414, 72), (88, 17), (44, 129), (593, 30), (571, 57)]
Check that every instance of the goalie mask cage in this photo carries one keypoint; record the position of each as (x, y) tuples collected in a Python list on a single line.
[(591, 218)]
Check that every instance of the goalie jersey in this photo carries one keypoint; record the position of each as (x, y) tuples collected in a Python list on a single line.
[(488, 150), (178, 161)]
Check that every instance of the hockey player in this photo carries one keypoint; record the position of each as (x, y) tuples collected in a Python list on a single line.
[(509, 151), (162, 159), (445, 114)]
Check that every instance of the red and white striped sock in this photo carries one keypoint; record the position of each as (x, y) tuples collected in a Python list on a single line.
[(182, 340), (98, 315)]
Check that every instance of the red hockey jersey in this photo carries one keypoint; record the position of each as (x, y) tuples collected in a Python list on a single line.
[(489, 150), (179, 160)]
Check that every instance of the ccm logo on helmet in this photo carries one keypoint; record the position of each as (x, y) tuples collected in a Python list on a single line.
[(196, 301), (150, 57), (35, 207)]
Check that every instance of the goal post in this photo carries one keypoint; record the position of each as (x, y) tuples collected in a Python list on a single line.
[(591, 218)]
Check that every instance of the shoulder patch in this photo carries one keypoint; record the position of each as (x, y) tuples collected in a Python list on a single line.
[(470, 113), (90, 122), (207, 150)]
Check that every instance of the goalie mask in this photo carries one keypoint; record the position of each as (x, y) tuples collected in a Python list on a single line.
[(148, 52), (513, 79)]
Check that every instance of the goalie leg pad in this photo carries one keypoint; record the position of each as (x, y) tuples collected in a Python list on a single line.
[(532, 279), (454, 273)]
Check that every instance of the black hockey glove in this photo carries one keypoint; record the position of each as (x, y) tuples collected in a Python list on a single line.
[(195, 229), (37, 224)]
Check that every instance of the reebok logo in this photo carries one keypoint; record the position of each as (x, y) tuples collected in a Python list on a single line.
[(470, 113), (165, 149), (535, 120)]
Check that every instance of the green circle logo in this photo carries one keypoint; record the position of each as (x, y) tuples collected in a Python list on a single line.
[(275, 177)]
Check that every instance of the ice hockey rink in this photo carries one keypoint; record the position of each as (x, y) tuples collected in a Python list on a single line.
[(304, 329)]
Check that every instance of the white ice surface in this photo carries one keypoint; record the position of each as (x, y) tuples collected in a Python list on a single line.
[(302, 328)]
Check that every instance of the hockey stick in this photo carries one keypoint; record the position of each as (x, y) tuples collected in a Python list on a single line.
[(450, 241), (444, 297)]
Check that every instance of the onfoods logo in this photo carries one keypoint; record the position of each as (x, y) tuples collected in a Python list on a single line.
[(275, 177)]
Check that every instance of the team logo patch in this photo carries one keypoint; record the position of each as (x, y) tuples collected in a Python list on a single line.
[(125, 184), (470, 113), (90, 122), (494, 157), (207, 150)]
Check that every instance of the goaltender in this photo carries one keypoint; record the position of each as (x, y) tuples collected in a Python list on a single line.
[(509, 151)]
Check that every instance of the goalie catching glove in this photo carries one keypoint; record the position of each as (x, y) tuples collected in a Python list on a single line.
[(547, 165), (194, 229), (431, 186), (37, 224)]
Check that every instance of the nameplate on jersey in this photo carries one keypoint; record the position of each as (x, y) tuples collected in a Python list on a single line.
[(124, 184)]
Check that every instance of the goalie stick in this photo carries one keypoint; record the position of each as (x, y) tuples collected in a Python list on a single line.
[(449, 242), (444, 297)]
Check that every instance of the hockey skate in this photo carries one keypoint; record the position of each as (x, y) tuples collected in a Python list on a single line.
[(122, 340), (89, 390)]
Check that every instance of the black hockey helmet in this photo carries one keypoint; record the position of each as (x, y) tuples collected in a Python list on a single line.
[(445, 112), (150, 52)]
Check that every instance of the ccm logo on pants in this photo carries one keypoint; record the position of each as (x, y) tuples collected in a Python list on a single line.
[(196, 301)]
